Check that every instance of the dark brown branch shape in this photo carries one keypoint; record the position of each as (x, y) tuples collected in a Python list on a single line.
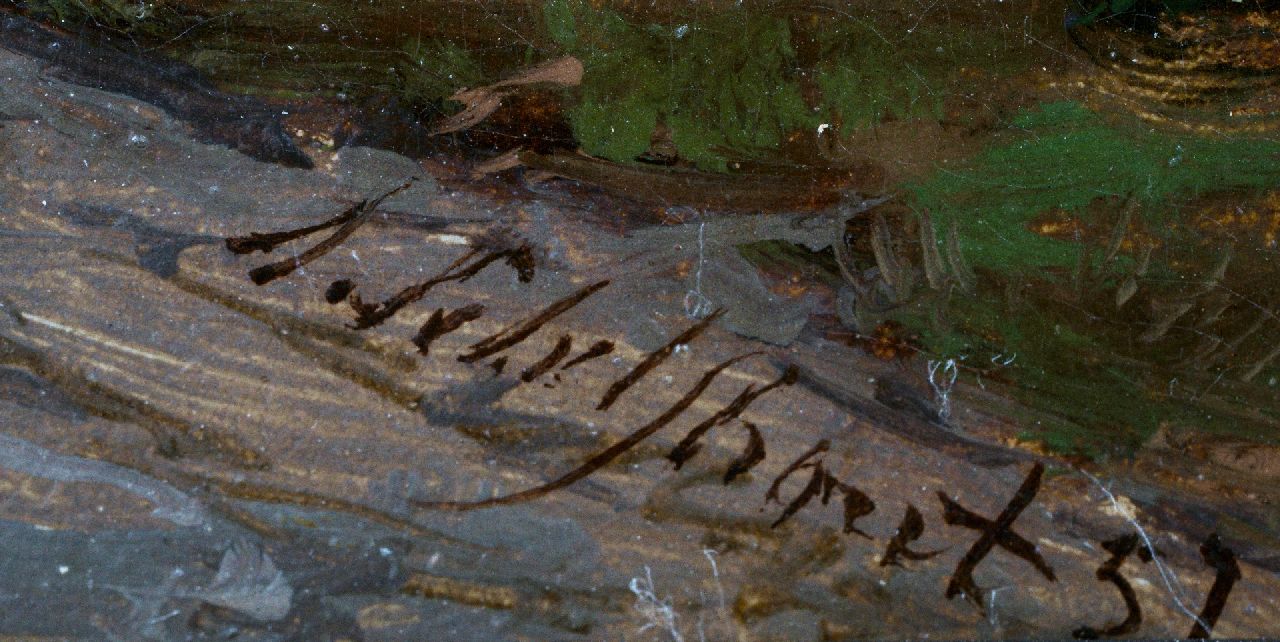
[(600, 459), (520, 331), (1120, 549), (909, 530), (559, 352), (689, 446), (440, 324), (597, 349), (993, 533), (1222, 560), (259, 242), (348, 222), (751, 455), (856, 503), (369, 315), (654, 360)]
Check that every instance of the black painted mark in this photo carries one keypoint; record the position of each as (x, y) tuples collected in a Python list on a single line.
[(348, 222), (689, 446), (498, 365), (909, 530), (338, 290), (1120, 549), (751, 455), (440, 324), (654, 360), (520, 331), (259, 242), (856, 503), (597, 349), (1222, 560), (993, 532), (600, 459), (559, 352), (369, 315)]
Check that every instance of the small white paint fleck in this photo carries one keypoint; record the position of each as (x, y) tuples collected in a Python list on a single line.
[(451, 239), (62, 570)]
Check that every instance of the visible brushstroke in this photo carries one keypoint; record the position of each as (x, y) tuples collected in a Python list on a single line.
[(156, 248), (558, 353), (268, 241), (338, 290), (22, 456), (302, 336), (713, 191), (600, 459), (751, 455), (856, 503), (822, 483), (689, 446), (440, 324), (909, 425), (174, 437), (95, 59), (267, 273), (520, 331), (479, 102), (247, 581), (11, 309), (956, 515), (909, 530), (431, 587), (929, 255), (597, 349), (994, 532), (655, 359), (1222, 560), (369, 315), (891, 271), (498, 365), (1120, 549)]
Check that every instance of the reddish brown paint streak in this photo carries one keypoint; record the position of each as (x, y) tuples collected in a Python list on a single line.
[(520, 331), (559, 352), (348, 222), (654, 360), (601, 459)]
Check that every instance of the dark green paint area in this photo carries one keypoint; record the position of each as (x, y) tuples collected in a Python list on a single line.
[(725, 86), (146, 19), (1080, 357), (737, 84), (1061, 155), (436, 68)]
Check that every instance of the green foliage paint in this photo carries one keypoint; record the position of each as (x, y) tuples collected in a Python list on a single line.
[(1070, 364), (1061, 155)]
